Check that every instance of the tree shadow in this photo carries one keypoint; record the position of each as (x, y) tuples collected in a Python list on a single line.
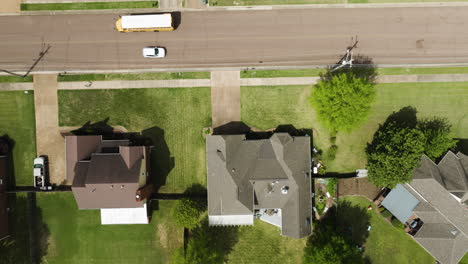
[(363, 67), (38, 231), (208, 244), (353, 221), (403, 118), (6, 149), (28, 242)]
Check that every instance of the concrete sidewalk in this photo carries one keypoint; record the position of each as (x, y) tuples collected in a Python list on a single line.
[(10, 6), (186, 83)]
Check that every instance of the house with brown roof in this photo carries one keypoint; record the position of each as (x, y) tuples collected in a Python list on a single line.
[(4, 228), (434, 206), (106, 175), (268, 179)]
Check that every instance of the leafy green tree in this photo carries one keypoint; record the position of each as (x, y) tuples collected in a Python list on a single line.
[(342, 100), (187, 212), (327, 246), (438, 136), (393, 154)]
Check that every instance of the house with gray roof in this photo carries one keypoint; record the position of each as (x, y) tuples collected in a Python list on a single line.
[(269, 179), (434, 205), (106, 175)]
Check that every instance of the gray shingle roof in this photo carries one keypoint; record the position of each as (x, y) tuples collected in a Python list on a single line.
[(444, 233), (244, 175)]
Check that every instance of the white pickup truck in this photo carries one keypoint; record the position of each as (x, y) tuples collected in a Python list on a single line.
[(39, 172)]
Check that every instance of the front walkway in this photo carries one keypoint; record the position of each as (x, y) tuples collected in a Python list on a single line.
[(225, 97), (49, 141), (10, 6)]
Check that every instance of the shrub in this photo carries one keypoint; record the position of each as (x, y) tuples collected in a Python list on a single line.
[(396, 223), (331, 186), (187, 212), (381, 209), (333, 140), (386, 213), (332, 152)]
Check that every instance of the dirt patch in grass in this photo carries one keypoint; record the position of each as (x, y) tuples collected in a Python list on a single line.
[(357, 186)]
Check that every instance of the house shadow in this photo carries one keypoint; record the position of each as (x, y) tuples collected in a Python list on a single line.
[(403, 118), (240, 128), (98, 128), (462, 145), (162, 162)]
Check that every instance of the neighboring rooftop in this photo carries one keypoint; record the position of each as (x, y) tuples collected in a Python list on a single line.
[(246, 176), (441, 194), (105, 173)]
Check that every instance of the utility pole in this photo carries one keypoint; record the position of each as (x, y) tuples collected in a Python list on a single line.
[(347, 59)]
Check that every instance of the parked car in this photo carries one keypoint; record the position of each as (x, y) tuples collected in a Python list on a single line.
[(39, 172), (154, 52)]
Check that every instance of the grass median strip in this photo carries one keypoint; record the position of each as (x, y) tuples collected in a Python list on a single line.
[(89, 5), (380, 71), (134, 76), (15, 79)]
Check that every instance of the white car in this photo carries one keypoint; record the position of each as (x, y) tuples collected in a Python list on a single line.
[(39, 172), (154, 52)]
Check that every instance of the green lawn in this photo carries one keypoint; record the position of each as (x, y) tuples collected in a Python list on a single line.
[(134, 76), (181, 113), (89, 5), (430, 99), (267, 107), (381, 71), (15, 79), (77, 236), (17, 120), (464, 260), (263, 243), (385, 243)]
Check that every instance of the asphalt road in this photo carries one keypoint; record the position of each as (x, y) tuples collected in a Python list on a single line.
[(288, 37)]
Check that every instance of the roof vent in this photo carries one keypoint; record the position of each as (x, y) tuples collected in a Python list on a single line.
[(122, 186), (112, 186), (284, 189), (454, 232), (233, 170)]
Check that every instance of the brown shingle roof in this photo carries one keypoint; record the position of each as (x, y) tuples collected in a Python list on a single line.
[(106, 174)]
